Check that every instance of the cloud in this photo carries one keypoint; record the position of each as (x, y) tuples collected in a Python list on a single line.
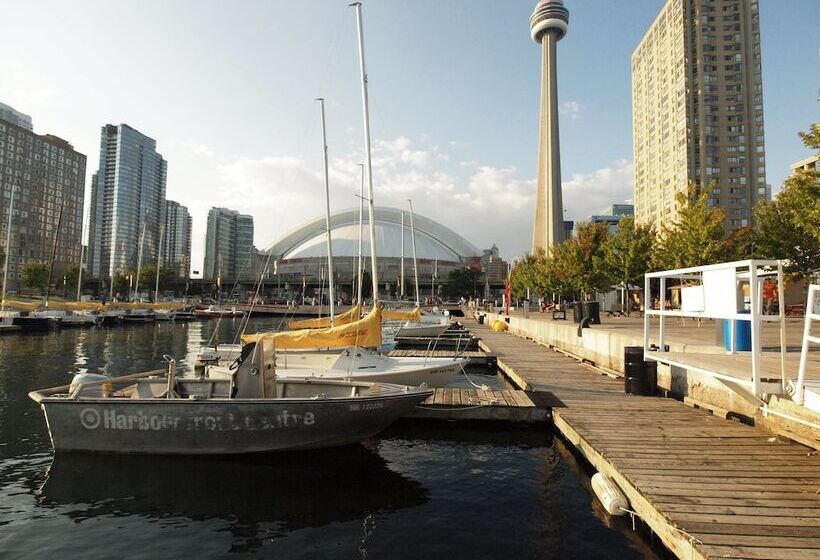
[(22, 92), (571, 108), (485, 203), (197, 149), (585, 194)]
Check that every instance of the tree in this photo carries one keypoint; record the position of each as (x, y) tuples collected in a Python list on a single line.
[(461, 282), (148, 278), (35, 275), (789, 225), (696, 237), (70, 277), (122, 284), (741, 244), (578, 263), (627, 254)]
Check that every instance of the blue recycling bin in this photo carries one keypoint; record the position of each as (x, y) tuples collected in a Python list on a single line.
[(743, 335)]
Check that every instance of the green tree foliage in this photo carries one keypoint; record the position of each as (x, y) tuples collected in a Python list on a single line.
[(789, 226), (696, 237), (741, 244), (578, 260), (70, 277), (148, 278), (35, 275), (462, 282), (122, 284), (627, 253)]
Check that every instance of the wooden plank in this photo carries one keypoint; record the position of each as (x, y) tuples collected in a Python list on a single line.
[(755, 540), (745, 510), (768, 552)]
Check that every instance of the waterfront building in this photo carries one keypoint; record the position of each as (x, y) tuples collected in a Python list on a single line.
[(548, 25), (229, 250), (176, 246), (809, 164), (612, 215), (697, 109), (127, 196), (11, 115), (48, 179)]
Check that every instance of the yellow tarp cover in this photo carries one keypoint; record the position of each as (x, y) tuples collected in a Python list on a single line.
[(21, 305), (353, 314), (413, 315), (75, 306), (364, 332)]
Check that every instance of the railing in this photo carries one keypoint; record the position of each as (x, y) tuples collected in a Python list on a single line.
[(718, 291), (812, 314)]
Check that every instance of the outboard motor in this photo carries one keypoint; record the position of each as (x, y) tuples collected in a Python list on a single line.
[(98, 391)]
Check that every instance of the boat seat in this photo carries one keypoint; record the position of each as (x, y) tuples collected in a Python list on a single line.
[(149, 389)]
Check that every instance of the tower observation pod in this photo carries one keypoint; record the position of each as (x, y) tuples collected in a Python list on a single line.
[(548, 25)]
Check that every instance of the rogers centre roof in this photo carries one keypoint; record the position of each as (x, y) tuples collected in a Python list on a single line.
[(433, 240)]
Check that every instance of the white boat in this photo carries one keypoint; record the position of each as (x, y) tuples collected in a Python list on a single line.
[(67, 318), (357, 364), (249, 411), (428, 326), (165, 315), (215, 311)]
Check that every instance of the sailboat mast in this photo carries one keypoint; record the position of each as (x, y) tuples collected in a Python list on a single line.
[(359, 276), (54, 251), (139, 263), (159, 261), (415, 259), (80, 271), (372, 211), (331, 294), (401, 276), (8, 250)]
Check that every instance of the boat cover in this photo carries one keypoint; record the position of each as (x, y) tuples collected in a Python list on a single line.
[(365, 332), (353, 314)]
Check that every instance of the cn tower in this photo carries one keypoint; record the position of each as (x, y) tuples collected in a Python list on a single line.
[(548, 25)]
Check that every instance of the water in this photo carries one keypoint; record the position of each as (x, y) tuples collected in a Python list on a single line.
[(434, 491)]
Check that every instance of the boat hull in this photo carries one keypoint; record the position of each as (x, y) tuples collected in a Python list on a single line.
[(219, 426)]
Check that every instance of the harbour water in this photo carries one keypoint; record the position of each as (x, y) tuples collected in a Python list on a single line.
[(430, 491)]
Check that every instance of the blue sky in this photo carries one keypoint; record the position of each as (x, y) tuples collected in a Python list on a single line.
[(227, 91)]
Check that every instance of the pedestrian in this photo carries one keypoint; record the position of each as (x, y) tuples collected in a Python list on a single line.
[(769, 296)]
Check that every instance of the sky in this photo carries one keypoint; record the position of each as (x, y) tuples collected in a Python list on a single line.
[(227, 90)]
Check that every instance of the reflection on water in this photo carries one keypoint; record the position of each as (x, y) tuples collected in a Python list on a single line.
[(259, 497), (429, 491)]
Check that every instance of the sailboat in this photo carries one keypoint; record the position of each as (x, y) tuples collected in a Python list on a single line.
[(310, 352), (419, 323)]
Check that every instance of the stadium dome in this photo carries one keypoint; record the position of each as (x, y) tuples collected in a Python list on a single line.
[(433, 240)]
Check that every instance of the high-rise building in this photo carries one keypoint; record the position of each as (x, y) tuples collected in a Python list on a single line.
[(127, 197), (697, 109), (176, 246), (13, 116), (229, 250), (48, 179)]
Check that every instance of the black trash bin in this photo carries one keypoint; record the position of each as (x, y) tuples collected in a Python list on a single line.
[(592, 309), (635, 380), (577, 312), (481, 319), (651, 368)]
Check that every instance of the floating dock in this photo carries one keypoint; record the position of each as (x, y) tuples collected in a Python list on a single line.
[(708, 487), (479, 404)]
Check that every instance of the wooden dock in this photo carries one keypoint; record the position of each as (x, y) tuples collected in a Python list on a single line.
[(478, 404), (709, 488)]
